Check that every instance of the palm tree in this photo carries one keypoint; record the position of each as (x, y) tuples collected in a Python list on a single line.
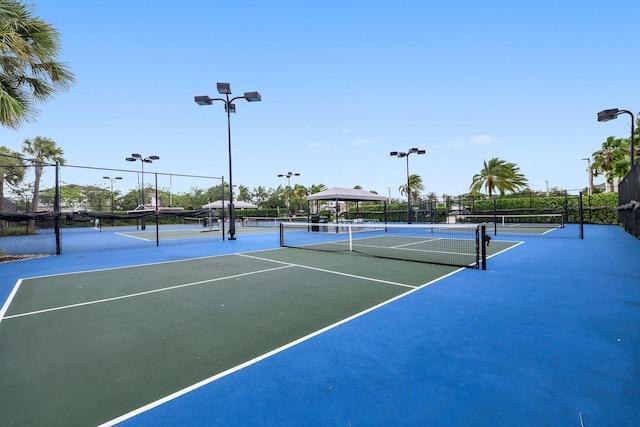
[(243, 194), (29, 71), (498, 174), (41, 150), (414, 185), (11, 171), (614, 158), (299, 193), (317, 188), (260, 194)]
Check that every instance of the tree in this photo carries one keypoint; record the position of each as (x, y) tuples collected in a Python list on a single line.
[(260, 195), (11, 171), (614, 158), (500, 175), (243, 194), (29, 70), (299, 193), (317, 188), (414, 185), (41, 150)]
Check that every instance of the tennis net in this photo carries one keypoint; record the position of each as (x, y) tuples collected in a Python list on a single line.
[(516, 224), (452, 244)]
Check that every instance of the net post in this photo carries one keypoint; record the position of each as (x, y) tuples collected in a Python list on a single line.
[(581, 216), (483, 250), (281, 235), (350, 238)]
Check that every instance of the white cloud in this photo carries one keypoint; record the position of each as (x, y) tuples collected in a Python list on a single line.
[(482, 139), (346, 130), (315, 145)]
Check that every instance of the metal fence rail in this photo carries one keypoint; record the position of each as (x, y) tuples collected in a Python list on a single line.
[(629, 201)]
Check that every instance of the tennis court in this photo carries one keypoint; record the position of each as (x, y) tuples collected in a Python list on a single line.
[(288, 337)]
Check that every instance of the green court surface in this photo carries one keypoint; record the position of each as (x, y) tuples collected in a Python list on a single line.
[(86, 348)]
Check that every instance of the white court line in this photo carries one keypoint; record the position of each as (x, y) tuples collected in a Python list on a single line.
[(184, 285), (330, 271), (248, 363)]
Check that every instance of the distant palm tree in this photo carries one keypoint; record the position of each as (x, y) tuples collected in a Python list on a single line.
[(41, 150), (299, 193), (414, 185), (500, 175), (316, 188), (29, 71), (432, 197), (11, 171), (612, 160), (243, 194), (260, 194)]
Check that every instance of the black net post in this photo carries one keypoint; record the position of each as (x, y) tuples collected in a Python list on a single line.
[(157, 214), (483, 245), (580, 215)]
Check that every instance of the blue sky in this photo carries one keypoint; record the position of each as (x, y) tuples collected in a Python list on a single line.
[(343, 83)]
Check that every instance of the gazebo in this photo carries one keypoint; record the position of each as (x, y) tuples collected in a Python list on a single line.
[(348, 194)]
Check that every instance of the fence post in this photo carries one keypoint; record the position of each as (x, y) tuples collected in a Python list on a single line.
[(56, 212)]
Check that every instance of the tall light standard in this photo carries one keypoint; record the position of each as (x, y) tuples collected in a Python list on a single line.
[(400, 155), (229, 107), (135, 157), (606, 115), (590, 175), (112, 179), (288, 175)]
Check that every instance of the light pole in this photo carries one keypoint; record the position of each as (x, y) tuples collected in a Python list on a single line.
[(135, 157), (229, 107), (288, 175), (400, 155), (590, 175), (112, 179), (606, 115)]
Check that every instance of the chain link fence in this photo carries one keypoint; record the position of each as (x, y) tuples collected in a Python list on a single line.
[(629, 201), (49, 209)]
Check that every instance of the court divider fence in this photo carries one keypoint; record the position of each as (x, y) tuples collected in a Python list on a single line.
[(629, 201), (43, 214)]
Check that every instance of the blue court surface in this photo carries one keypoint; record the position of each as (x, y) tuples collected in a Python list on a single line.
[(548, 335)]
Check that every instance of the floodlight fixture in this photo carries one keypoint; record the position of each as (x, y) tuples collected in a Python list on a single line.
[(252, 96), (400, 155), (606, 115), (229, 107), (288, 175), (224, 88), (203, 100), (149, 159)]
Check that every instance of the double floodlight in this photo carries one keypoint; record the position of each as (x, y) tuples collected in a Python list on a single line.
[(606, 115), (411, 151), (225, 89), (136, 156), (288, 175)]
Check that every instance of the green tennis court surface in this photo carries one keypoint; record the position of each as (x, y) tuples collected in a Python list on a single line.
[(86, 348)]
